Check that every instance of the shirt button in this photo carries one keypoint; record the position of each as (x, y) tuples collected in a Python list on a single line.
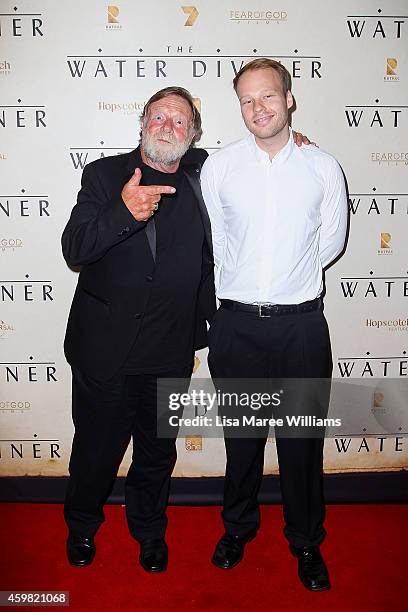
[(137, 315), (149, 278)]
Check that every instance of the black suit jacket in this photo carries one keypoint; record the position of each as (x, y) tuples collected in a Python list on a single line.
[(113, 288)]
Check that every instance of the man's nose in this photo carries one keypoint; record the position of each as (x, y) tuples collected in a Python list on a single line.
[(168, 125), (258, 105)]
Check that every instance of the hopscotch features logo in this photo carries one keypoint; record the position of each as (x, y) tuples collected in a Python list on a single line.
[(258, 17), (378, 203), (192, 13), (80, 156), (390, 158), (194, 443), (127, 108), (22, 116), (385, 244), (391, 71), (24, 205), (382, 116), (395, 324), (5, 67), (376, 26), (113, 18), (10, 244), (370, 366), (21, 25), (373, 287), (167, 65), (6, 328)]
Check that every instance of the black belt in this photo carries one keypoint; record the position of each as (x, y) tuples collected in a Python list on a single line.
[(270, 310)]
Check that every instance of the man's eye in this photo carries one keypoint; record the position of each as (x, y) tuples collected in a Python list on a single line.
[(244, 102), (158, 117), (180, 122)]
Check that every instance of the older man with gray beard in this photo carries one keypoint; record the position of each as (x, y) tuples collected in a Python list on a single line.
[(141, 234)]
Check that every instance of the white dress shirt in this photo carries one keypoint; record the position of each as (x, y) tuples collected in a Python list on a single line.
[(275, 223)]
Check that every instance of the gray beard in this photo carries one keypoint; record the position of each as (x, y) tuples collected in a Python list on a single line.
[(163, 154)]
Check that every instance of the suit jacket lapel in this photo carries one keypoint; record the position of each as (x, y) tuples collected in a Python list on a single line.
[(193, 177)]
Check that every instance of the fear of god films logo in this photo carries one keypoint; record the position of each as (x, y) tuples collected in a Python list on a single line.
[(192, 13), (112, 18), (374, 288), (23, 204), (375, 204), (22, 116), (385, 244), (376, 115), (16, 24), (10, 244), (258, 17), (391, 70), (391, 158), (377, 26)]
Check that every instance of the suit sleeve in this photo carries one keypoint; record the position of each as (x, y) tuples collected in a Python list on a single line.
[(96, 223)]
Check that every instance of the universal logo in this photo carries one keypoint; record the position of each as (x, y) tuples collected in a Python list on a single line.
[(392, 325), (394, 158), (391, 74), (127, 108), (5, 67), (112, 18), (192, 13), (10, 243), (194, 443), (6, 329), (258, 17), (385, 244)]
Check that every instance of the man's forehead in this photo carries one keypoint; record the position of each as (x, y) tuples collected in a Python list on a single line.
[(172, 102)]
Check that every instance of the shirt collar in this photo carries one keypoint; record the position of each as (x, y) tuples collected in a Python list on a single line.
[(280, 157)]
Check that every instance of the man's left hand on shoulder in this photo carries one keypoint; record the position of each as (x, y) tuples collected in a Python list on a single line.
[(300, 139)]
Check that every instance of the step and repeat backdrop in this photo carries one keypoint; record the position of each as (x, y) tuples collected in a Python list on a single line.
[(74, 77)]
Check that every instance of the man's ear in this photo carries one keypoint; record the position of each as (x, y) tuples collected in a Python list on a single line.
[(289, 99)]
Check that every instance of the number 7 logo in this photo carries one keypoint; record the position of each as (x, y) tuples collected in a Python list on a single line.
[(192, 13)]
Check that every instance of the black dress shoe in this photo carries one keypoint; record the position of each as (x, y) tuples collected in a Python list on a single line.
[(80, 550), (153, 555), (312, 569), (230, 550)]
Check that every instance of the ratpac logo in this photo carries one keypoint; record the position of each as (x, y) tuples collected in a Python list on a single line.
[(194, 443), (113, 21), (391, 74), (385, 244), (113, 12), (192, 13), (385, 240)]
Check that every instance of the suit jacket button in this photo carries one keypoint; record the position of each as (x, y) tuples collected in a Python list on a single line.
[(149, 278), (126, 229), (137, 315)]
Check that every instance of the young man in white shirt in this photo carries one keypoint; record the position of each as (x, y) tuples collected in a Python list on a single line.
[(278, 216)]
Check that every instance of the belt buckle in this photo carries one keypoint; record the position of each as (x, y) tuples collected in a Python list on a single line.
[(262, 316)]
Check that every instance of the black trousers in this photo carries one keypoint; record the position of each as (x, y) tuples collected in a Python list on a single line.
[(106, 416), (243, 345)]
